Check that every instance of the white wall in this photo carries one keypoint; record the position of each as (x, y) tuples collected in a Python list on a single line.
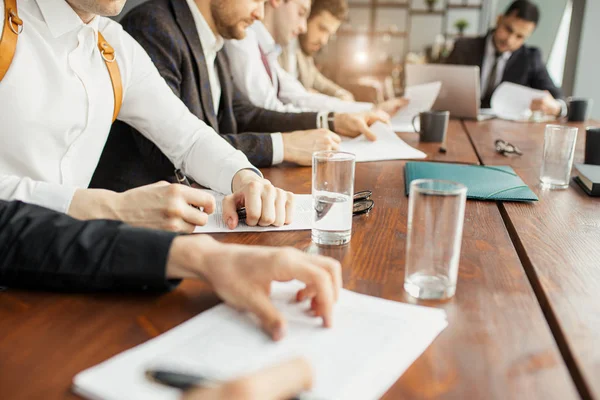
[(587, 78)]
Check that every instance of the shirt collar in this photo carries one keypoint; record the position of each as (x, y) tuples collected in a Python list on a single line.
[(490, 49), (209, 41), (265, 40), (61, 18)]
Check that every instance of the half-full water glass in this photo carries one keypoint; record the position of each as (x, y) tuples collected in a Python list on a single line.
[(559, 150), (436, 212), (332, 195)]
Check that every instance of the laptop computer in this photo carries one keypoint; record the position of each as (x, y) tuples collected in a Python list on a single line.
[(460, 92)]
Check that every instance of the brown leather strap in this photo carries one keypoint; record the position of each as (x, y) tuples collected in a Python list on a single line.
[(13, 26), (110, 59)]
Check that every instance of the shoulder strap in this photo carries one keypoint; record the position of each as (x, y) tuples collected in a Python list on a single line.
[(13, 26), (110, 59)]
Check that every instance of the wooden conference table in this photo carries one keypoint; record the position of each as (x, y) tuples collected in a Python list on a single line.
[(524, 322)]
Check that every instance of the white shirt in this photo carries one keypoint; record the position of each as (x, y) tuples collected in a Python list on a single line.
[(57, 107), (211, 45), (285, 93), (488, 64)]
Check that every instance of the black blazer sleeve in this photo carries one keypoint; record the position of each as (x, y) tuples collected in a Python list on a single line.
[(251, 118), (539, 77), (44, 249), (457, 57)]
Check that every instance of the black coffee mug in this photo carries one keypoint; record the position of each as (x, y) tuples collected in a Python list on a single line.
[(578, 109), (592, 145), (433, 126)]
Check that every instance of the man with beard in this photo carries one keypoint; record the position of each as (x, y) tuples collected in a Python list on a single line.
[(184, 40), (66, 73), (325, 18), (503, 56), (259, 76)]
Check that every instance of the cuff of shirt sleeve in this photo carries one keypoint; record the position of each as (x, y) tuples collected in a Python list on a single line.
[(229, 170), (564, 110), (322, 119), (140, 258), (52, 196), (278, 150)]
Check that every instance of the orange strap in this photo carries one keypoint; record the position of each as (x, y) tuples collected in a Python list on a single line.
[(13, 26), (110, 59)]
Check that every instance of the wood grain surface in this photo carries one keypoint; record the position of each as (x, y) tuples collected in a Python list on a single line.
[(497, 345), (558, 240)]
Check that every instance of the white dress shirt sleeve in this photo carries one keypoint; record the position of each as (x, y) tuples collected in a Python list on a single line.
[(150, 106), (291, 91), (250, 75), (54, 196)]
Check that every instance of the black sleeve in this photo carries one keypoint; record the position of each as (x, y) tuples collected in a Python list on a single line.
[(540, 78), (44, 249), (251, 118)]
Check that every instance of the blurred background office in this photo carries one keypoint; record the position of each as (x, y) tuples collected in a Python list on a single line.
[(380, 36)]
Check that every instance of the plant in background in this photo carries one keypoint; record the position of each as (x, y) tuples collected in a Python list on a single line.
[(431, 4), (461, 25)]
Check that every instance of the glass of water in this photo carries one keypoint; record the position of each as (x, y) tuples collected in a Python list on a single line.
[(559, 150), (332, 191), (436, 212)]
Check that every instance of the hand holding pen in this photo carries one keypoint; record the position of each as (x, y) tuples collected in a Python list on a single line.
[(254, 200), (285, 381)]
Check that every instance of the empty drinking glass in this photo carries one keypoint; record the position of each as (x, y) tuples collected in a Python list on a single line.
[(436, 212), (559, 150)]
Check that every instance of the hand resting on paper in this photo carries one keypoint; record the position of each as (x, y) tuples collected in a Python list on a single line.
[(547, 104), (279, 382), (241, 276)]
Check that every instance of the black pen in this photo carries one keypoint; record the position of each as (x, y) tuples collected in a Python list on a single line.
[(183, 180), (183, 381)]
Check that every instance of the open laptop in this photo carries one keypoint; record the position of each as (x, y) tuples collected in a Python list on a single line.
[(460, 93)]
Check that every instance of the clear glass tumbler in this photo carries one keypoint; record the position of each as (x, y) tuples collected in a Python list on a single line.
[(332, 195), (557, 161), (436, 212)]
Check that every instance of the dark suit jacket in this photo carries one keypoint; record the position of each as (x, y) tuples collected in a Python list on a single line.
[(524, 67), (44, 249), (167, 31)]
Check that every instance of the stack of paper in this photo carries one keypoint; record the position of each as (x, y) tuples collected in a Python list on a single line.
[(302, 218), (388, 146), (372, 343), (422, 97), (512, 102)]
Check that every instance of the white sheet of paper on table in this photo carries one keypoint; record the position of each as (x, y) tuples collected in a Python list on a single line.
[(422, 98), (511, 102), (302, 219), (373, 341), (388, 146)]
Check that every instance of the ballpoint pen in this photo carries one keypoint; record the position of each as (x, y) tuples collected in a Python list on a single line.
[(184, 381), (183, 180)]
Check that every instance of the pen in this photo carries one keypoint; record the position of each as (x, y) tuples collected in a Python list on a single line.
[(183, 180), (184, 381)]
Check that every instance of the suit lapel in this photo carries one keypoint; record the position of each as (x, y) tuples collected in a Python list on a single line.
[(186, 23), (226, 107), (510, 68)]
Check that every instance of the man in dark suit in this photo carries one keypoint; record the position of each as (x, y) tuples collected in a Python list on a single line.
[(503, 57), (184, 39)]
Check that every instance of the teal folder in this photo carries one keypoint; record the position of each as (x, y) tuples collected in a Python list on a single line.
[(494, 183)]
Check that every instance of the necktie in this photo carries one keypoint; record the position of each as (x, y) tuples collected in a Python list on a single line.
[(491, 83), (265, 62)]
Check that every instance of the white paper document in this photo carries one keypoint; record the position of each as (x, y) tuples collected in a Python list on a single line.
[(373, 341), (302, 219), (422, 98), (388, 146), (512, 102)]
